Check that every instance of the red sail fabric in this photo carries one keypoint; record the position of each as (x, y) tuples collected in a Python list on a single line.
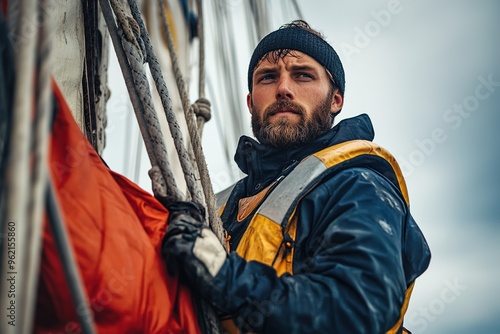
[(115, 229)]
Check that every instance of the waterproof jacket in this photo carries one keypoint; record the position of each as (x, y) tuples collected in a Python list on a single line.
[(356, 249)]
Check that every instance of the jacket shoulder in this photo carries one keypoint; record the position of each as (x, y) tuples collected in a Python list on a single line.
[(323, 164)]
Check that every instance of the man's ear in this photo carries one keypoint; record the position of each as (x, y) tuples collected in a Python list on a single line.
[(337, 101), (249, 102)]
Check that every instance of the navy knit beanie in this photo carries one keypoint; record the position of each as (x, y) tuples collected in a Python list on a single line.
[(294, 38)]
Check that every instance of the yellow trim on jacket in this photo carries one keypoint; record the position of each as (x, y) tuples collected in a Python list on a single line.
[(264, 241)]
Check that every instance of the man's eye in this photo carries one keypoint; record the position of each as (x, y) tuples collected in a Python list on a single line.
[(267, 77), (304, 76)]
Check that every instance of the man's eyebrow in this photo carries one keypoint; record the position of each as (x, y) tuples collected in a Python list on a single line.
[(297, 68), (294, 68), (265, 70)]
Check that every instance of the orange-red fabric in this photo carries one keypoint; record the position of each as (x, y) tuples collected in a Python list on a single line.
[(5, 6), (115, 229)]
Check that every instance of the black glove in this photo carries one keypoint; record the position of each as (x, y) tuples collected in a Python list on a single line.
[(190, 248)]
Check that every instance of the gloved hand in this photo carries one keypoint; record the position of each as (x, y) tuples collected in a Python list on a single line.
[(190, 248)]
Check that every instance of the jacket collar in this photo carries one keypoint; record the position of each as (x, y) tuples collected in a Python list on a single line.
[(263, 163)]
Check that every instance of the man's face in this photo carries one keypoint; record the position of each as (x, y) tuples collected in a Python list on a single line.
[(292, 101)]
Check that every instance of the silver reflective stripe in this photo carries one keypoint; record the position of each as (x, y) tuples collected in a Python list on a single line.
[(276, 206), (222, 196)]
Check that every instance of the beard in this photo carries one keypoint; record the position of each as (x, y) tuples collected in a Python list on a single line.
[(284, 133)]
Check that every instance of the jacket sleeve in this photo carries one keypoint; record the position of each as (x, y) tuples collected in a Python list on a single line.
[(349, 277)]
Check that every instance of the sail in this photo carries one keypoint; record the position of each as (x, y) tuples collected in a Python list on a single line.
[(115, 229)]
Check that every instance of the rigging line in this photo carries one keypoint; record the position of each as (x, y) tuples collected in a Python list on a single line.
[(290, 11), (129, 26), (226, 61), (164, 8), (219, 97), (90, 68), (181, 86), (261, 19), (220, 128), (162, 90), (226, 57), (125, 66), (208, 313), (40, 171), (235, 82), (229, 90), (18, 165), (126, 72), (201, 119), (214, 219), (65, 252), (201, 38), (252, 33), (297, 9), (141, 83), (13, 10), (137, 166), (223, 63), (128, 136)]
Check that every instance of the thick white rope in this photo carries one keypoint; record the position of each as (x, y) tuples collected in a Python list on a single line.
[(155, 68), (18, 168), (40, 171), (131, 59), (214, 219)]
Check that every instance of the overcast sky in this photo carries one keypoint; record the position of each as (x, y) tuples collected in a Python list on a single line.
[(427, 72)]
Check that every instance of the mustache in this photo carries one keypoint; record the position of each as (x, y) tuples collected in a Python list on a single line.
[(284, 104)]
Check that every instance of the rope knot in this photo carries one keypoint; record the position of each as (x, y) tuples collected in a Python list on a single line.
[(157, 182), (201, 108), (129, 27)]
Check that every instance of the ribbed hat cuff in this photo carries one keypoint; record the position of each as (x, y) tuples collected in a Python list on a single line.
[(293, 38)]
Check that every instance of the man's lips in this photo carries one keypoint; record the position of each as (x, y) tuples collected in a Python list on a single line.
[(284, 111)]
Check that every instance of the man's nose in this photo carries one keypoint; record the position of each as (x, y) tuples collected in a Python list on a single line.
[(283, 90)]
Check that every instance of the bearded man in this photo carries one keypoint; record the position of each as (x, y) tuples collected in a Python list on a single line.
[(320, 236)]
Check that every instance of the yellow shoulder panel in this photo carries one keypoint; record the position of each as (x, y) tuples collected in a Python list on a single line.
[(334, 155)]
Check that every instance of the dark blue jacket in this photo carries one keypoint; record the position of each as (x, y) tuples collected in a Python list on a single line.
[(357, 248)]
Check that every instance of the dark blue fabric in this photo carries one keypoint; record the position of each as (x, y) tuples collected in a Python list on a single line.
[(263, 163), (191, 19), (357, 249)]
